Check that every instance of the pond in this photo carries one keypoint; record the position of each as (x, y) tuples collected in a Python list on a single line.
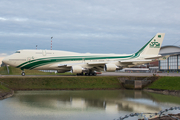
[(83, 105)]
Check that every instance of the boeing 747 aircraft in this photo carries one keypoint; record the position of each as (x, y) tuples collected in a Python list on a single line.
[(84, 63)]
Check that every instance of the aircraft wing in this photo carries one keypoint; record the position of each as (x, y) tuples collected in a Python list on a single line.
[(96, 63), (97, 66), (62, 65), (74, 64), (131, 63)]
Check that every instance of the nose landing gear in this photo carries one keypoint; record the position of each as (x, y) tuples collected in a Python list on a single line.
[(23, 73)]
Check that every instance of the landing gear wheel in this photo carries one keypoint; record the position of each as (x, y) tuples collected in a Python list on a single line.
[(94, 74), (23, 73), (80, 74), (90, 74)]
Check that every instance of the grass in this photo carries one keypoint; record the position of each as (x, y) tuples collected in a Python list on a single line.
[(3, 71), (38, 83), (3, 88), (164, 98), (166, 83), (81, 82), (17, 71)]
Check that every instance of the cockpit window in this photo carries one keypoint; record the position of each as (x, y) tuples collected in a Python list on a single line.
[(17, 52)]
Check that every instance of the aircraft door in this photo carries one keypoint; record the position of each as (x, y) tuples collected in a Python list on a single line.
[(28, 59), (44, 52)]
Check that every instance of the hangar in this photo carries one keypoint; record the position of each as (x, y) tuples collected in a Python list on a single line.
[(172, 64)]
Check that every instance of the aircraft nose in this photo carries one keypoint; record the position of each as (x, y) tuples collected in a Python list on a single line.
[(6, 60)]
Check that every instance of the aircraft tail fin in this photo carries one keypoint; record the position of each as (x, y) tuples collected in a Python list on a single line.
[(152, 47)]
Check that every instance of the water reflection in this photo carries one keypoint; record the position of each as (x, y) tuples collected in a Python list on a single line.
[(102, 104), (71, 100)]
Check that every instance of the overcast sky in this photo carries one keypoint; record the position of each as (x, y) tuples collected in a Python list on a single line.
[(95, 26)]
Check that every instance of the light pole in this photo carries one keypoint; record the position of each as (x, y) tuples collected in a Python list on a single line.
[(51, 42)]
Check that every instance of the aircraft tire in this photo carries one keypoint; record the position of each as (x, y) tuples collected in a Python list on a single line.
[(79, 74), (94, 74), (23, 73)]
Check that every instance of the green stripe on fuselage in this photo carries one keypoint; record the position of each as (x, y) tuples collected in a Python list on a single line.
[(42, 61)]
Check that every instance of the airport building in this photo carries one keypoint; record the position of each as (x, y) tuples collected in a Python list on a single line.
[(171, 64)]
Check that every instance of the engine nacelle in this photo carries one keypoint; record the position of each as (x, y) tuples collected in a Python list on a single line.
[(110, 67), (76, 69)]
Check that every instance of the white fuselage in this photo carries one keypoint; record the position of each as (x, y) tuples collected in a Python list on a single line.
[(52, 59)]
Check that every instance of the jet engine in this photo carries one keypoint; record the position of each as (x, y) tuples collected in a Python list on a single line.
[(111, 68), (76, 69)]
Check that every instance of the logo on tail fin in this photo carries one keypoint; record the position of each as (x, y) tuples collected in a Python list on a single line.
[(154, 44)]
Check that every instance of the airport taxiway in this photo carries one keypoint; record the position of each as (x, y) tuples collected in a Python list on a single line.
[(137, 74), (103, 74)]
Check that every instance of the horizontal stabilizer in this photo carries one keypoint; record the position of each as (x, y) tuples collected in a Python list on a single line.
[(134, 62), (159, 57)]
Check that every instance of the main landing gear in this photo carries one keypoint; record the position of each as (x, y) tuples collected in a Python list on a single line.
[(87, 74), (80, 74), (90, 74)]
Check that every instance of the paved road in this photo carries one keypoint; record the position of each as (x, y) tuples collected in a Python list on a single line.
[(138, 74), (103, 74)]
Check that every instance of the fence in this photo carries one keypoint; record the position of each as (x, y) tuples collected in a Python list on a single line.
[(151, 115)]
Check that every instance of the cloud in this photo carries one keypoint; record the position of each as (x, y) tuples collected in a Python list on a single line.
[(3, 19), (13, 19), (3, 54), (85, 24)]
